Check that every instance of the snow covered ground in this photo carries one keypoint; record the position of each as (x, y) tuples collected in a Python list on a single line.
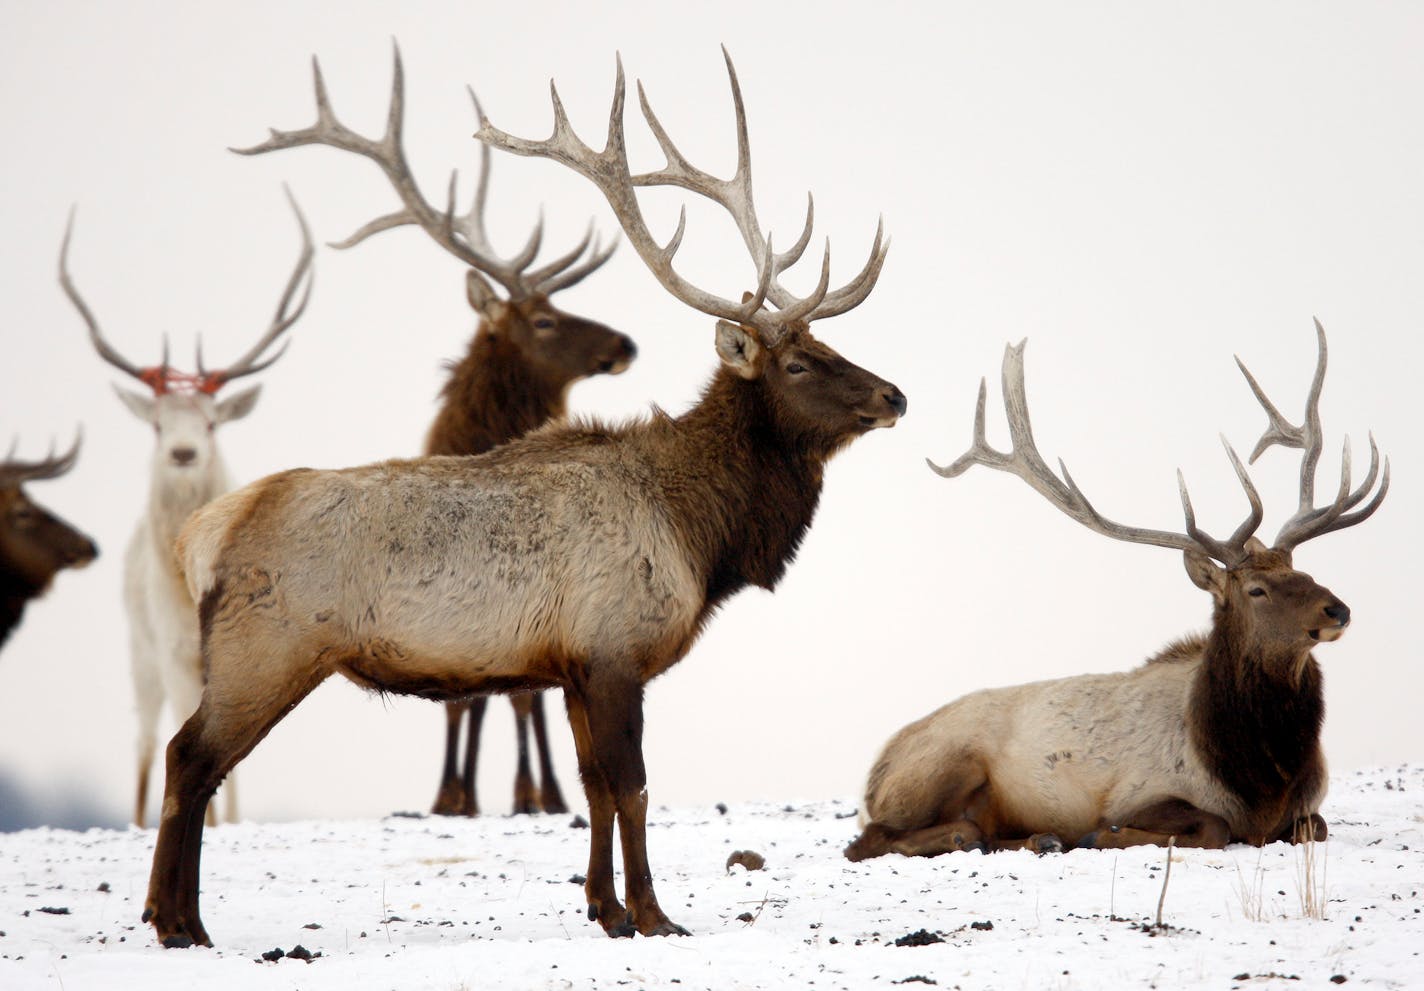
[(408, 902)]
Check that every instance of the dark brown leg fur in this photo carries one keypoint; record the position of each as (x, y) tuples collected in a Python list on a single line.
[(1156, 824)]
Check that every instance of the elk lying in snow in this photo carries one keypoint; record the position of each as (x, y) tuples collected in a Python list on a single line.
[(1216, 739), (34, 543), (516, 376), (187, 472), (581, 556)]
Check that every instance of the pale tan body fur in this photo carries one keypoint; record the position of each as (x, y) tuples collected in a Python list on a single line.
[(1066, 755), (533, 571)]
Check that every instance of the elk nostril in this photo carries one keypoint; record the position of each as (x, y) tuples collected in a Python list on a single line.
[(1338, 612), (897, 401), (183, 455)]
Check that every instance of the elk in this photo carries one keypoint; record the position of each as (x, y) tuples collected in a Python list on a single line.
[(1215, 739), (584, 556), (35, 545), (515, 376), (186, 473)]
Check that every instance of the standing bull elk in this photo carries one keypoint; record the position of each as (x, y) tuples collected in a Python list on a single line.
[(187, 472), (516, 376), (1215, 739), (582, 556), (35, 545)]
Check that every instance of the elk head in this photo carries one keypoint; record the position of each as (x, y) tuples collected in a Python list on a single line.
[(557, 344), (34, 543), (1260, 598), (816, 394), (182, 407)]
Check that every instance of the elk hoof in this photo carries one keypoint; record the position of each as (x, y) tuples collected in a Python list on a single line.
[(1045, 843), (978, 846), (178, 941), (623, 930), (553, 804), (667, 928)]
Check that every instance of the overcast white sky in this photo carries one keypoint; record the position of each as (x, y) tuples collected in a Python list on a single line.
[(1140, 189)]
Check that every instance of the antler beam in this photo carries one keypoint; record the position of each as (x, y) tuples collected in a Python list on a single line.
[(610, 172), (1309, 520), (463, 236), (1025, 461), (14, 472)]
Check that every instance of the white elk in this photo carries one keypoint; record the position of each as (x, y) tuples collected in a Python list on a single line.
[(1215, 739), (187, 472)]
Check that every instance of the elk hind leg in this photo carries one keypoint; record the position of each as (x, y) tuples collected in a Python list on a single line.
[(918, 818), (234, 716)]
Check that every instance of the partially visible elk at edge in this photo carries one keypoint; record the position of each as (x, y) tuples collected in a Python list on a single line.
[(186, 473), (515, 376), (35, 545), (582, 556), (1215, 739)]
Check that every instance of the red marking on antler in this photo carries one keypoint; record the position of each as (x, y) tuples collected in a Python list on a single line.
[(164, 380)]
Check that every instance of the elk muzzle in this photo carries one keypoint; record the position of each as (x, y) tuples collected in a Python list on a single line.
[(1339, 615)]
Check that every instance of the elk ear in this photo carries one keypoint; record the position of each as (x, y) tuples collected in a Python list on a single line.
[(739, 349), (1205, 573), (483, 299), (139, 405), (238, 406)]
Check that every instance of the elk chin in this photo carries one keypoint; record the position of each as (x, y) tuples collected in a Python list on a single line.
[(1327, 634), (868, 423), (615, 366)]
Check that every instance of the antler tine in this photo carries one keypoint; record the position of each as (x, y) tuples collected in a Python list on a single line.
[(1024, 460), (735, 196), (1309, 520), (554, 281), (463, 237), (13, 472), (105, 349), (302, 277), (608, 170)]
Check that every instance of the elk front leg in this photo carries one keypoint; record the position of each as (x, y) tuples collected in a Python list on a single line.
[(603, 904), (456, 795), (615, 720), (526, 800), (551, 798), (1159, 822)]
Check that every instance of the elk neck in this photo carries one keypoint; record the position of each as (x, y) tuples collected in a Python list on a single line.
[(741, 491), (176, 493), (15, 592), (1254, 717), (493, 395)]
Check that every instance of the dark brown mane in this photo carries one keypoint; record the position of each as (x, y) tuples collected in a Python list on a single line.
[(1256, 726), (493, 395)]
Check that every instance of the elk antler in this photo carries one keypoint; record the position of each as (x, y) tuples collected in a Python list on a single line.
[(1309, 520), (13, 472), (1025, 462), (156, 377), (163, 377), (463, 236), (609, 171), (211, 381)]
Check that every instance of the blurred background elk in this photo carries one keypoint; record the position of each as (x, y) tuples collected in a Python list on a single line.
[(1215, 739), (35, 545), (515, 376), (584, 556), (186, 472)]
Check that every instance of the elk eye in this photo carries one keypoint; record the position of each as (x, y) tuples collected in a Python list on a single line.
[(1256, 591), (795, 369), (544, 323)]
